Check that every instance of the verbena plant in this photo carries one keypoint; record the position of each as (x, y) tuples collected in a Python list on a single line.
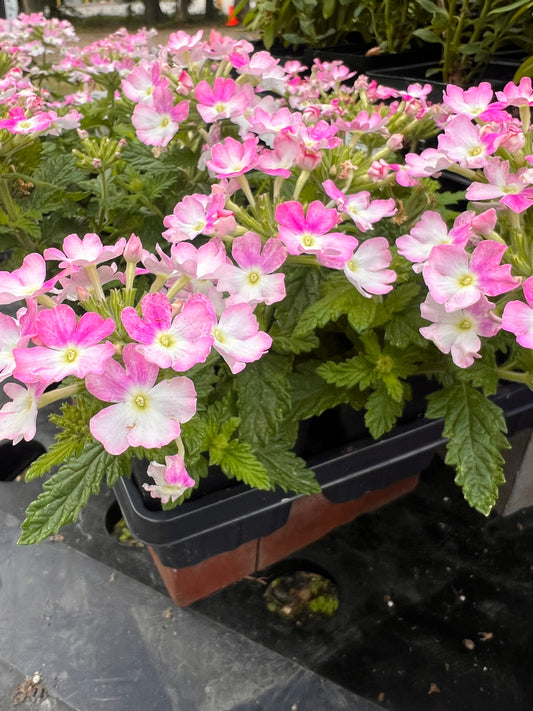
[(312, 262)]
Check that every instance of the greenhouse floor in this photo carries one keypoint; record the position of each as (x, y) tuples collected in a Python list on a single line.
[(435, 614)]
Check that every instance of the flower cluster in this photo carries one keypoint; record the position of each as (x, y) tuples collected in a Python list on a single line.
[(292, 248)]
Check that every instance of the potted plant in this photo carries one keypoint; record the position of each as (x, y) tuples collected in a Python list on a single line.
[(283, 283), (362, 33), (471, 33)]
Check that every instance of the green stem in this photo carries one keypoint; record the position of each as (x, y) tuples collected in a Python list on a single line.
[(515, 376), (11, 210), (178, 286), (243, 182), (59, 394)]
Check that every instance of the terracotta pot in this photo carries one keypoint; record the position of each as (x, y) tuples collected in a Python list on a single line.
[(231, 531)]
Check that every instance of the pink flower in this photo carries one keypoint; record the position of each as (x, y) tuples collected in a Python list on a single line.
[(428, 232), (472, 102), (140, 83), (516, 95), (196, 214), (28, 280), (254, 282), (157, 123), (310, 233), (85, 251), (180, 342), (199, 263), (517, 317), (18, 417), (238, 338), (507, 187), (144, 414), (363, 211), (458, 332), (458, 280), (367, 268), (224, 99), (232, 158), (15, 332), (171, 479), (71, 347), (465, 143)]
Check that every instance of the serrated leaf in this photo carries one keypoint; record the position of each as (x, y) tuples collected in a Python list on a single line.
[(341, 298), (353, 371), (382, 411), (302, 287), (263, 397), (286, 470), (312, 395), (68, 491), (475, 428), (57, 453), (237, 460)]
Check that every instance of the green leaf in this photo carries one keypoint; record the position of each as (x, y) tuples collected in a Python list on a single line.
[(312, 394), (303, 288), (475, 428), (357, 370), (263, 397), (292, 343), (56, 454), (68, 491), (237, 460), (510, 7), (427, 35), (524, 70), (341, 298), (382, 411), (286, 470)]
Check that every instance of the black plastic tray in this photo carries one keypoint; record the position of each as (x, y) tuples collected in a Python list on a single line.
[(224, 519)]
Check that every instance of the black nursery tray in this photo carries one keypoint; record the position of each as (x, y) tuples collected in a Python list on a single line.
[(225, 518)]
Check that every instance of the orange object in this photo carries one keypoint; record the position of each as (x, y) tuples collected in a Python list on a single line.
[(232, 19)]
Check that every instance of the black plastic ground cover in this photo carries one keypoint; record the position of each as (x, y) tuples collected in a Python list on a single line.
[(224, 519), (435, 604)]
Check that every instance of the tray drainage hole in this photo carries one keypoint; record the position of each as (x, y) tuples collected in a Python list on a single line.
[(117, 528), (302, 597)]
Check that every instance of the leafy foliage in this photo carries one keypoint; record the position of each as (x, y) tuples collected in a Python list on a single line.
[(476, 429)]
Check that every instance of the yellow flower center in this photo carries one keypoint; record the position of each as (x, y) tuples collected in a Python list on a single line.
[(71, 354), (253, 277), (165, 121), (218, 335), (466, 280), (476, 151), (140, 401), (165, 340), (465, 325), (308, 240), (351, 265)]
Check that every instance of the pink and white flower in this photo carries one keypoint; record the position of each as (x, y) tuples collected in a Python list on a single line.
[(359, 207), (367, 269), (26, 281), (238, 338), (171, 479), (70, 346), (310, 232), (145, 413), (157, 123), (517, 316), (458, 332), (18, 418), (180, 342), (252, 281), (458, 280)]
